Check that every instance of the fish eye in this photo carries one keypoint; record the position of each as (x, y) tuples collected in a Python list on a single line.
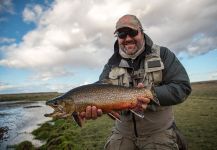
[(55, 103)]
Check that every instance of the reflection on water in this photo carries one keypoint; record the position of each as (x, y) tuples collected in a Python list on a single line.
[(19, 119)]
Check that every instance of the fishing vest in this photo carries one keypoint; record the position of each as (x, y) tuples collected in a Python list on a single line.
[(150, 74)]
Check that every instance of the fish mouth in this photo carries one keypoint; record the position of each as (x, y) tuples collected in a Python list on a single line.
[(57, 113)]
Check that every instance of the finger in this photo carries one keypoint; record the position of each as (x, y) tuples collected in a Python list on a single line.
[(94, 112), (116, 114), (144, 106), (82, 115), (99, 112), (88, 112), (143, 100), (140, 85)]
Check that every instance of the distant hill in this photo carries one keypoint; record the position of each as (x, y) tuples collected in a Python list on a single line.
[(206, 89), (205, 82), (28, 96)]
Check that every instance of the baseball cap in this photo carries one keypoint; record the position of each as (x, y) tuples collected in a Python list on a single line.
[(129, 21)]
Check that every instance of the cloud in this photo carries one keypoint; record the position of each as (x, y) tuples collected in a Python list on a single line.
[(213, 75), (3, 19), (51, 73), (32, 13), (6, 40), (6, 6), (4, 86), (64, 87), (178, 25), (79, 34), (61, 87), (33, 87), (25, 88)]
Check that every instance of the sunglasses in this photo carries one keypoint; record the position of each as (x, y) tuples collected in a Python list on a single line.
[(130, 32)]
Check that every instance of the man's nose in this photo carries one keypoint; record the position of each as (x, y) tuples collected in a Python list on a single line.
[(128, 37)]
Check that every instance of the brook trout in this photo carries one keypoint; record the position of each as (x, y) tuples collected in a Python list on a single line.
[(104, 96)]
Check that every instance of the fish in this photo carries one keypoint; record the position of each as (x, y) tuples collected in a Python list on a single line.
[(106, 97)]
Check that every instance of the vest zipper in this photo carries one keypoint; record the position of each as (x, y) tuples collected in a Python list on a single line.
[(132, 61)]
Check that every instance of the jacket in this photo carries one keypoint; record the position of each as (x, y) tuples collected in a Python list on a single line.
[(173, 88)]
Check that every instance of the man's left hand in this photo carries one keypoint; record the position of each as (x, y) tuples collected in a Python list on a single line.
[(142, 102)]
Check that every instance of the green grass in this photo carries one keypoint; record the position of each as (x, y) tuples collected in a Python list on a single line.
[(43, 96), (24, 146), (196, 118), (65, 133)]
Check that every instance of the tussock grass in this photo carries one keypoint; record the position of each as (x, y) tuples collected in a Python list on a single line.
[(65, 134)]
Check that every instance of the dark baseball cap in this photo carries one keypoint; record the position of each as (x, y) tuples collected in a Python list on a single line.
[(129, 21)]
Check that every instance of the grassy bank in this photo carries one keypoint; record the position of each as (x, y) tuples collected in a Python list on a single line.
[(196, 118), (43, 96), (65, 134)]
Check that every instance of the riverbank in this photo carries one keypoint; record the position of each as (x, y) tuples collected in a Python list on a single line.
[(18, 119), (20, 114)]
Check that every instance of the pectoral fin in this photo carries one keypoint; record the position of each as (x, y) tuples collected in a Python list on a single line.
[(77, 118), (114, 115)]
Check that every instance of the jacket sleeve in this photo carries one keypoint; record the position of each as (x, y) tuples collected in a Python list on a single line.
[(175, 86), (105, 73)]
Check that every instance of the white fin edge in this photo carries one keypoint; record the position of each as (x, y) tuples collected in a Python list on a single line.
[(139, 114)]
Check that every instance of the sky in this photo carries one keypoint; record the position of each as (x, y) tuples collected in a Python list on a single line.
[(56, 45)]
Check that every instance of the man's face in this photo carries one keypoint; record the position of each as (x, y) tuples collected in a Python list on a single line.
[(130, 41)]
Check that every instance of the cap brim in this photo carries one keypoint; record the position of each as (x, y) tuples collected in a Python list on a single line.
[(125, 26)]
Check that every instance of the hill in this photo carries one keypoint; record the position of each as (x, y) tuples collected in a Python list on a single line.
[(204, 88), (42, 96)]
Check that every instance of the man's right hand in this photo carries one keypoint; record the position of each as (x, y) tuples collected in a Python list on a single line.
[(91, 113)]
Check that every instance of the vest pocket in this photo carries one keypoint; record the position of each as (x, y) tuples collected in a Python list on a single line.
[(119, 76)]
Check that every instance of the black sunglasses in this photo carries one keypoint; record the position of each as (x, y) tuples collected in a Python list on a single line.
[(130, 32)]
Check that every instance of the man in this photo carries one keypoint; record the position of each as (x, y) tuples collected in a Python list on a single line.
[(137, 62)]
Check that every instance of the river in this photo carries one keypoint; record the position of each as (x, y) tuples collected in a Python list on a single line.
[(18, 119)]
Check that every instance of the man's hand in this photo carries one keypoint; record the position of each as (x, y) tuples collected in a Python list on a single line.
[(91, 113), (142, 102)]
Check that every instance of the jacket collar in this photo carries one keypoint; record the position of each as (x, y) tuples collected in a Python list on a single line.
[(117, 60)]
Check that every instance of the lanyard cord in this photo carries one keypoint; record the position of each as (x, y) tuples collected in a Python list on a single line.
[(134, 125)]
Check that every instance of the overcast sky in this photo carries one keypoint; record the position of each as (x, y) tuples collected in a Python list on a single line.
[(57, 45)]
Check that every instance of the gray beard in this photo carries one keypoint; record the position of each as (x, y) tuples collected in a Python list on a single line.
[(134, 56)]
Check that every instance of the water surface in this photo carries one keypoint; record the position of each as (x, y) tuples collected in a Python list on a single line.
[(19, 119)]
